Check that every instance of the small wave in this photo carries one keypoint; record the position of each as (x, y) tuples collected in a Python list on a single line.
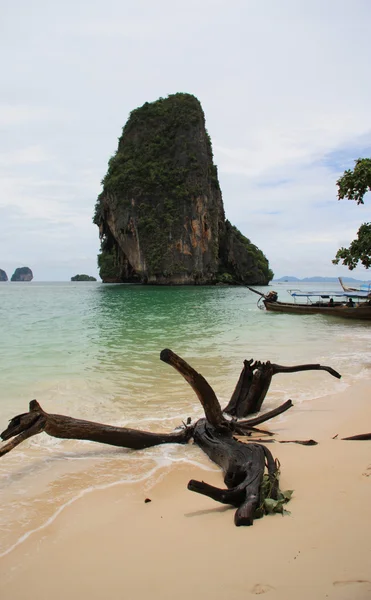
[(152, 476), (51, 519)]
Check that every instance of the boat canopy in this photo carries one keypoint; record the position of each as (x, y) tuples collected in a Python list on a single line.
[(358, 294)]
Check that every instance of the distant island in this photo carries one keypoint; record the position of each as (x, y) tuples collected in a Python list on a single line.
[(3, 276), (316, 278), (22, 274), (83, 278)]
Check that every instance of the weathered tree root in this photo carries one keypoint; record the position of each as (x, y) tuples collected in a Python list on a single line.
[(243, 464), (248, 424), (22, 427), (37, 420), (254, 382)]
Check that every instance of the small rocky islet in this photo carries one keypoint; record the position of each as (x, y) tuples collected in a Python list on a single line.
[(83, 277), (20, 274)]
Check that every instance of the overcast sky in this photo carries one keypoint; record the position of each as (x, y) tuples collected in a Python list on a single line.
[(286, 92)]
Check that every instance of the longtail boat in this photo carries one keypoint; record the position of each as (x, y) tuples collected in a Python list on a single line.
[(348, 305), (363, 287)]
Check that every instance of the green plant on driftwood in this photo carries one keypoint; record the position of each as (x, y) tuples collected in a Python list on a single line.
[(251, 474)]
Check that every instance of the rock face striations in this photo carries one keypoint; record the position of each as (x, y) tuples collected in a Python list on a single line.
[(22, 274), (160, 214), (3, 276)]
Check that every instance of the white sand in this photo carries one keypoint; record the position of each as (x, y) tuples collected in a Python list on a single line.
[(110, 544)]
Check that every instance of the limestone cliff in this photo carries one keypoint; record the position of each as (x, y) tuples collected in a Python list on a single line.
[(3, 276), (160, 214), (22, 274)]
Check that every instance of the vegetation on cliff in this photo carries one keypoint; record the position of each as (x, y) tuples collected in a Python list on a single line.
[(83, 277), (240, 259), (161, 214), (22, 274), (3, 276)]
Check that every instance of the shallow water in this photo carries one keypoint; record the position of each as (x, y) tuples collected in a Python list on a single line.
[(91, 351)]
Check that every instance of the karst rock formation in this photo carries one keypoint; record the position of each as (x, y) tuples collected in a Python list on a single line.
[(161, 215), (22, 274)]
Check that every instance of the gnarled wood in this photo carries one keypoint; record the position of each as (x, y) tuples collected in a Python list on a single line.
[(249, 424), (198, 383), (60, 426), (309, 367), (243, 464), (254, 382), (37, 426)]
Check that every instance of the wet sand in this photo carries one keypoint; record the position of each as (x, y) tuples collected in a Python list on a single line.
[(111, 544)]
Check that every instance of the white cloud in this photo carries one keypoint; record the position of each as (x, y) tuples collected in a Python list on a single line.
[(284, 149), (24, 156), (19, 114), (284, 87)]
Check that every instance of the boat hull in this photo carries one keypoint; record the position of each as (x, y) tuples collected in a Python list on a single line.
[(356, 312)]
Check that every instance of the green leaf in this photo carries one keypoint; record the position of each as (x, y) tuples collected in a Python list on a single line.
[(270, 505)]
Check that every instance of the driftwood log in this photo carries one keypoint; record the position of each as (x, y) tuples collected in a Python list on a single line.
[(250, 471)]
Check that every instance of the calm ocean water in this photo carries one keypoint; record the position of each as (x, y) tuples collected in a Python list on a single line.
[(91, 351)]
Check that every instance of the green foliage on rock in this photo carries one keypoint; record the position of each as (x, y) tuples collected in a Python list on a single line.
[(148, 161), (3, 276), (257, 256), (353, 185), (108, 267), (244, 261)]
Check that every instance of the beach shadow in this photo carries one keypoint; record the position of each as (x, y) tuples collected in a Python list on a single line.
[(208, 511), (346, 582)]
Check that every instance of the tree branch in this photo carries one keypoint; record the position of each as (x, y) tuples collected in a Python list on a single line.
[(309, 367), (198, 383), (250, 423), (60, 426)]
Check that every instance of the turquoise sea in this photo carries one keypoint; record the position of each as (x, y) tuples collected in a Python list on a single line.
[(91, 351)]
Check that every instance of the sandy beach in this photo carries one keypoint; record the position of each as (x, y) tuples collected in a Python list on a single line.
[(111, 544)]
